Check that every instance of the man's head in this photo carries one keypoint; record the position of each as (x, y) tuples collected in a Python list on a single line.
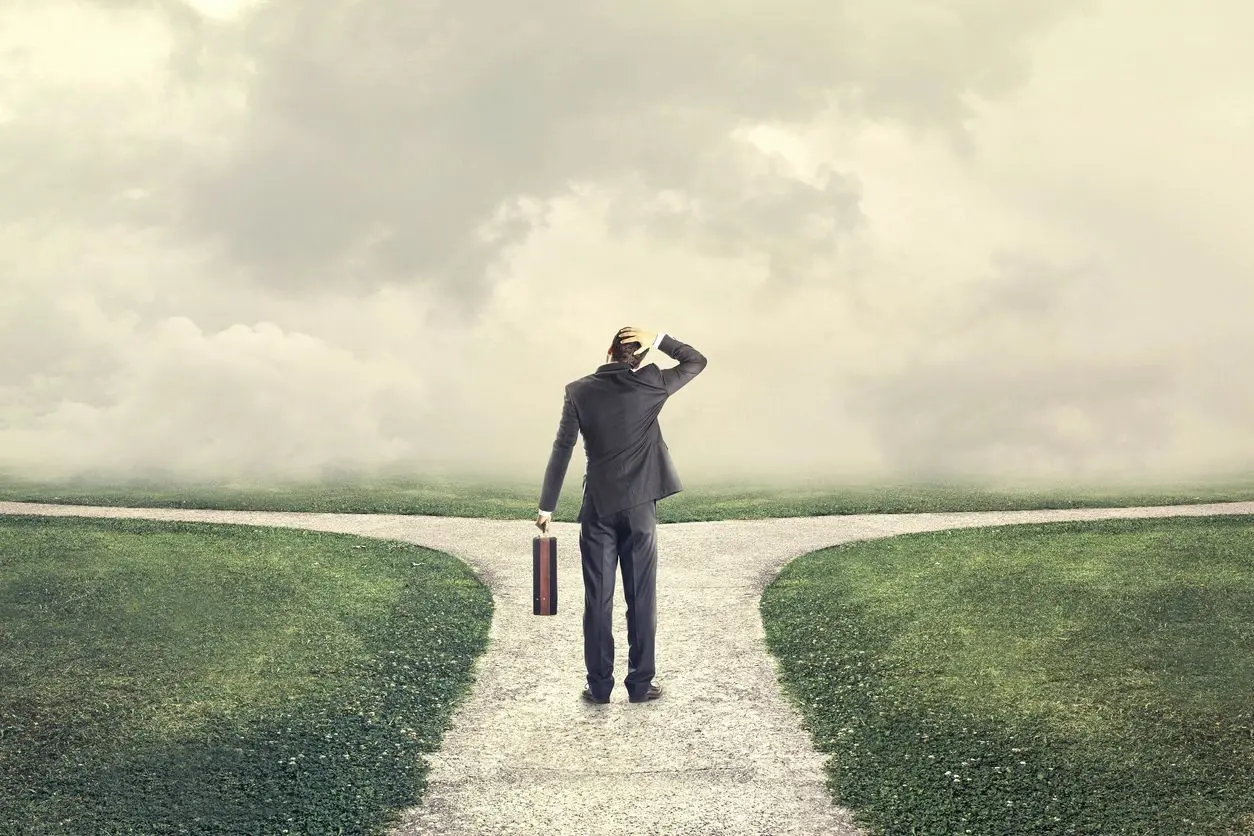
[(624, 353)]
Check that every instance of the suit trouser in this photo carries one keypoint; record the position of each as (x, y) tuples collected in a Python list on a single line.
[(626, 537)]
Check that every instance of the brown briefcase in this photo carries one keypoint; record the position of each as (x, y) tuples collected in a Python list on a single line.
[(544, 574)]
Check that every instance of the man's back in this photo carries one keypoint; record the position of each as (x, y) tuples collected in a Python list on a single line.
[(616, 410)]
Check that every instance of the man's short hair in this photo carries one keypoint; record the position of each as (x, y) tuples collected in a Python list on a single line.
[(625, 352)]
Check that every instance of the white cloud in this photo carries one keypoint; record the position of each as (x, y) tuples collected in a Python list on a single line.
[(913, 239), (224, 10)]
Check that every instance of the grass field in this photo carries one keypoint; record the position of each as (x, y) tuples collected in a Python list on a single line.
[(1090, 678), (185, 678), (178, 678), (467, 497)]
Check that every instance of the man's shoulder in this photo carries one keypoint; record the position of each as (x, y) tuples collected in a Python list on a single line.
[(579, 384), (649, 374)]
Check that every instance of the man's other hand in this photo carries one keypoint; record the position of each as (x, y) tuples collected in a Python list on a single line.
[(542, 522), (631, 334)]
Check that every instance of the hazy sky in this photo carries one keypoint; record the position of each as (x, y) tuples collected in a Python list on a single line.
[(915, 238)]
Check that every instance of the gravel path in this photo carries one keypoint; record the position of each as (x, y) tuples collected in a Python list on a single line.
[(721, 753)]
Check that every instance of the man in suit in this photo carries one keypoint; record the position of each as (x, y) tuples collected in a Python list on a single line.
[(629, 470)]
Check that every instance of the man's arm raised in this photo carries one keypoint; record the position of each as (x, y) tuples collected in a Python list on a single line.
[(691, 361)]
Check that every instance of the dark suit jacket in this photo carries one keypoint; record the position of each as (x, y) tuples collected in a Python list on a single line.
[(616, 410)]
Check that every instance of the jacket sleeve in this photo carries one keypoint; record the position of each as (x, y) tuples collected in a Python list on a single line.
[(691, 363), (559, 459)]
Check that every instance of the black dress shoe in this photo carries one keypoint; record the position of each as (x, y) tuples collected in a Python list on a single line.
[(587, 697), (653, 693)]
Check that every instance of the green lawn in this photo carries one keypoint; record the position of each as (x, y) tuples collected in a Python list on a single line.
[(1087, 678), (181, 678), (502, 499), (1051, 679)]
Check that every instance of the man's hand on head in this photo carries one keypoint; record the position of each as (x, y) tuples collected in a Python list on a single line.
[(631, 334)]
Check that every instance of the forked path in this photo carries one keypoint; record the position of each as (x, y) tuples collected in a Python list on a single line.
[(723, 752)]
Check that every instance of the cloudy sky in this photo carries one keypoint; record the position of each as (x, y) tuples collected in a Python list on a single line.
[(245, 240)]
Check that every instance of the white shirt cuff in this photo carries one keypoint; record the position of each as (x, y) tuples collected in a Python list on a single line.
[(658, 339), (546, 513)]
